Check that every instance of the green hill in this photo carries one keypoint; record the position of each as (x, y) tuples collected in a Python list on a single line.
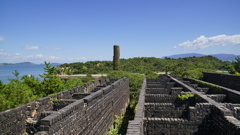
[(146, 65)]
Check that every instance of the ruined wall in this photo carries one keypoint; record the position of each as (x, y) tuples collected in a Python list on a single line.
[(163, 113), (192, 124), (224, 94), (80, 110), (229, 81), (136, 127)]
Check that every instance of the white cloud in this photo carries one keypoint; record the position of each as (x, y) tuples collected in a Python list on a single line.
[(36, 58), (18, 54), (39, 56), (53, 57), (2, 38), (3, 52), (204, 42), (49, 48), (31, 47)]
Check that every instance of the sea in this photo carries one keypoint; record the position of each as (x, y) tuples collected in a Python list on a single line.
[(6, 71)]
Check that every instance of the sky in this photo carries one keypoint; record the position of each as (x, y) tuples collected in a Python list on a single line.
[(65, 31)]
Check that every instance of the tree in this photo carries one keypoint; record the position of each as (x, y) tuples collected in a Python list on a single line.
[(33, 83), (236, 64), (135, 83), (51, 83), (49, 70), (2, 85), (16, 93), (16, 74)]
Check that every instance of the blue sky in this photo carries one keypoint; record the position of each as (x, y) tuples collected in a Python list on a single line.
[(84, 30)]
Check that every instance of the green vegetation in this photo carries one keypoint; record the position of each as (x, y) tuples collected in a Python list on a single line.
[(185, 96), (236, 65), (214, 89), (135, 85), (28, 88), (152, 75), (190, 67), (136, 68), (114, 130)]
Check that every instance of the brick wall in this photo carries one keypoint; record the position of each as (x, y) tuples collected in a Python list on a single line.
[(229, 81), (160, 112), (80, 110)]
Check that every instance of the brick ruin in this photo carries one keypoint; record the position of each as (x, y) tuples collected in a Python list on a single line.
[(87, 110), (90, 109), (208, 112), (224, 80)]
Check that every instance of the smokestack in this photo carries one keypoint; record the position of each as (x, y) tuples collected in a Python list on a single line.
[(116, 58)]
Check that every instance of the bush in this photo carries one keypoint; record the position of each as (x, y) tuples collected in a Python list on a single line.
[(152, 75), (135, 84)]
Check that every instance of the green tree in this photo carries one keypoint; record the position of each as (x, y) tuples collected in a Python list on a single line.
[(152, 75), (49, 70), (2, 85), (135, 83), (33, 83), (16, 74), (51, 83), (15, 94), (231, 69), (73, 82), (236, 64), (4, 103)]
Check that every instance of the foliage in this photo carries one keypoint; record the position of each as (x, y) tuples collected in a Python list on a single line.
[(52, 85), (50, 71), (16, 74), (237, 73), (135, 81), (152, 75), (32, 82), (73, 82), (28, 88), (114, 130), (135, 85), (185, 96), (236, 64), (214, 89), (182, 67), (15, 94), (2, 85)]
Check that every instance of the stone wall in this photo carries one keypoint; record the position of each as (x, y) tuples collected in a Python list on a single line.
[(161, 112), (229, 81), (80, 110), (224, 94), (136, 126)]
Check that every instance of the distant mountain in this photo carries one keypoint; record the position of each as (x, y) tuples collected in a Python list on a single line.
[(176, 56), (21, 63), (223, 57)]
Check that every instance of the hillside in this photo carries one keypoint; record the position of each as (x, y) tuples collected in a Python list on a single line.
[(21, 63), (147, 65), (223, 57)]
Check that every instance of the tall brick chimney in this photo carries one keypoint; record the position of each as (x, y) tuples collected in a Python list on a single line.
[(116, 58)]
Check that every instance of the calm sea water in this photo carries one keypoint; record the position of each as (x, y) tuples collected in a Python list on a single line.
[(6, 71)]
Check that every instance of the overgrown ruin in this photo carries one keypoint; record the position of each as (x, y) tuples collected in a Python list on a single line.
[(87, 110), (166, 107)]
